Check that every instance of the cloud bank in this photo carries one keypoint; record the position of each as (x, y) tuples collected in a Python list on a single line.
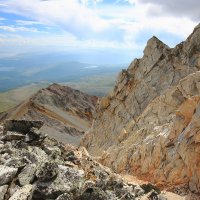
[(96, 24)]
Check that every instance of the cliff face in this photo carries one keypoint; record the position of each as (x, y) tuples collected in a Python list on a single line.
[(66, 112), (149, 124)]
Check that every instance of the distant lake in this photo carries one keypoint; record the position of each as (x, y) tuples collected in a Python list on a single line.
[(91, 67)]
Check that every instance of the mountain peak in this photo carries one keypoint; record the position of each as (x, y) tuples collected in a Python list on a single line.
[(155, 40), (154, 45)]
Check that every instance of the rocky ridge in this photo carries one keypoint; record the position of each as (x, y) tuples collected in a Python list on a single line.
[(67, 113), (149, 124), (33, 166)]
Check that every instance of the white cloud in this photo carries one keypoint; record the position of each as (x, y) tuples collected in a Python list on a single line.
[(79, 18), (66, 41), (3, 5), (134, 20), (74, 16), (70, 14), (27, 23), (18, 29)]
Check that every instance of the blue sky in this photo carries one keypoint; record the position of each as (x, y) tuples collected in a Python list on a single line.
[(93, 25)]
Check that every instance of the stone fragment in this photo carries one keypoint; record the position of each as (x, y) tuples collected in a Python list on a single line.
[(27, 175), (7, 174), (25, 193), (47, 170)]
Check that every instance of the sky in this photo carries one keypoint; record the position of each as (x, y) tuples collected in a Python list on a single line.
[(122, 26)]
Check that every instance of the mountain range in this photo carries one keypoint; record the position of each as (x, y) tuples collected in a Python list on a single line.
[(140, 139)]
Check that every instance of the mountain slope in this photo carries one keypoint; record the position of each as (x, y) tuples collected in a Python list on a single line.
[(66, 112), (149, 124)]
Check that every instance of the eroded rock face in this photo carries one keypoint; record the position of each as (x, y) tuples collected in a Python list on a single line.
[(44, 169), (150, 126)]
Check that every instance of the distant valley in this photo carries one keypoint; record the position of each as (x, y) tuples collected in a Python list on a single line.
[(21, 76), (26, 69)]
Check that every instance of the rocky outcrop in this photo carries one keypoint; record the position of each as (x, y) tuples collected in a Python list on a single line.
[(44, 169), (148, 125), (66, 113)]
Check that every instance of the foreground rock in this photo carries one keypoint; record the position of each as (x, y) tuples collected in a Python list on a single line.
[(44, 169), (149, 124)]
